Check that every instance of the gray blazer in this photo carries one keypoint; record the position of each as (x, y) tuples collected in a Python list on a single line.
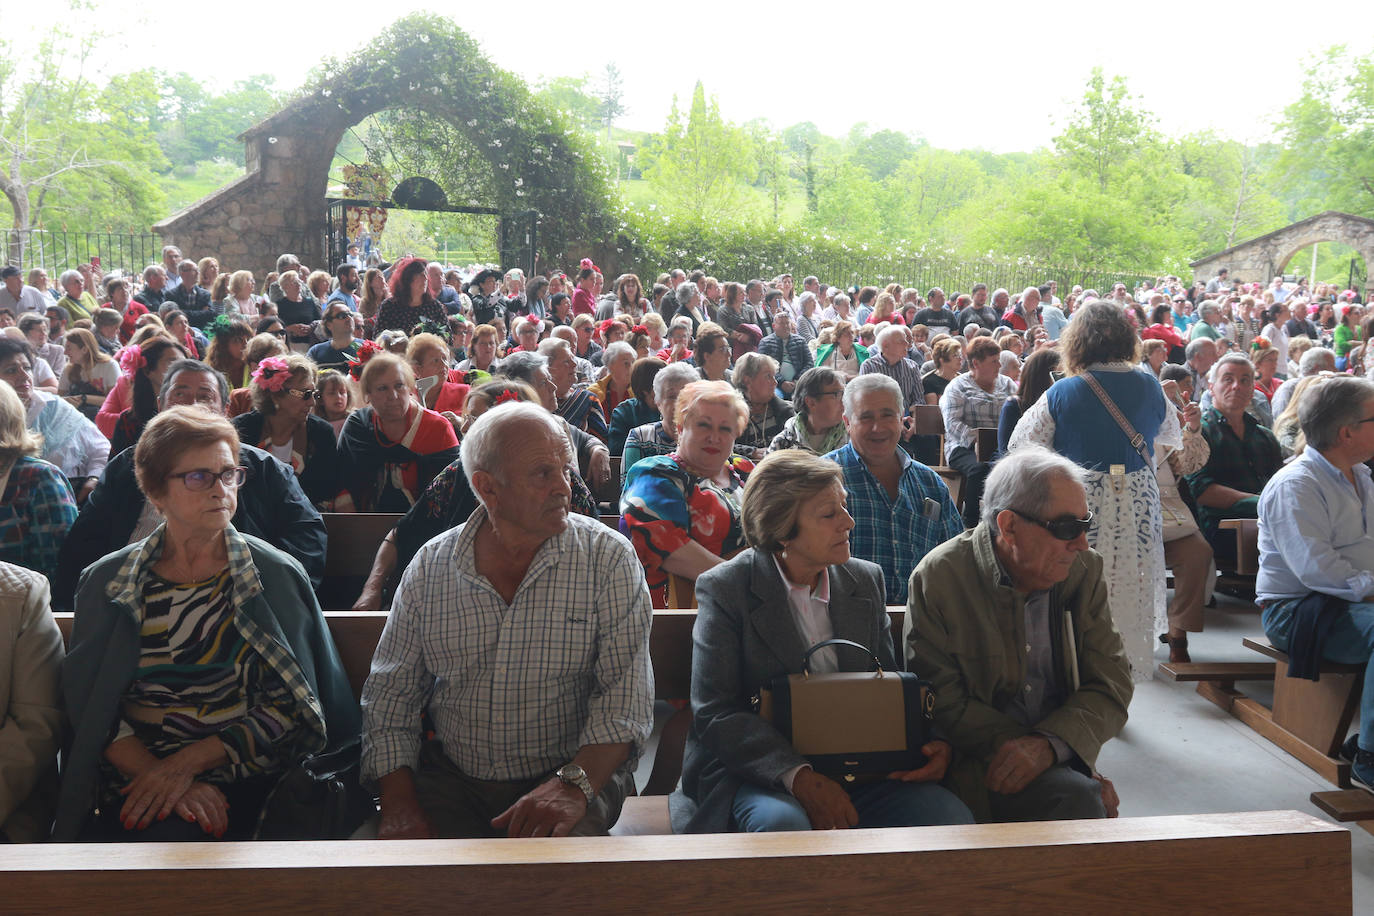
[(744, 637)]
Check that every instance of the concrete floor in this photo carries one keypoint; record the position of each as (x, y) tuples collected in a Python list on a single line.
[(1179, 754)]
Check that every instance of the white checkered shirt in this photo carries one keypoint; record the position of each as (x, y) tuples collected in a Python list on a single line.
[(514, 691)]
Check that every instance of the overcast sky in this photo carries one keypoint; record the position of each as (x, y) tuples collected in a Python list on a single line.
[(990, 74)]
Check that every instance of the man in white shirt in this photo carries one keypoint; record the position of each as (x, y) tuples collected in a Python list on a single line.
[(18, 297), (1316, 575), (524, 633)]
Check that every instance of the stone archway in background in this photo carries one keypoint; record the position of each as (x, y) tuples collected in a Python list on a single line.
[(421, 62), (1261, 259)]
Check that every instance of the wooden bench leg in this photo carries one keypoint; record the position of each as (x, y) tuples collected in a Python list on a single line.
[(663, 778), (1318, 712)]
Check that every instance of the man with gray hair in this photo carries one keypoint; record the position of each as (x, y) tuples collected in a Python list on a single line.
[(1244, 455), (1314, 362), (171, 258), (1316, 571), (1198, 358), (1208, 316), (524, 633), (154, 285), (1028, 724), (901, 508)]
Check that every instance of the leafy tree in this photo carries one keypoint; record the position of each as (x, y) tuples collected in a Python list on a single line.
[(1329, 134), (883, 152), (1106, 133), (53, 122), (701, 162), (572, 95), (611, 94)]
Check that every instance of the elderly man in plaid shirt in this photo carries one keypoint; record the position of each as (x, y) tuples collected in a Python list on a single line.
[(524, 633), (901, 508)]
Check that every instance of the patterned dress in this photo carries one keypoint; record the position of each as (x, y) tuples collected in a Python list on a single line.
[(665, 506)]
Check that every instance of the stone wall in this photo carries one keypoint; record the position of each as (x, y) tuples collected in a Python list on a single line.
[(1261, 259)]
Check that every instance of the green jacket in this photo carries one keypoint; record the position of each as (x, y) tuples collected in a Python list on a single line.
[(964, 633), (823, 353)]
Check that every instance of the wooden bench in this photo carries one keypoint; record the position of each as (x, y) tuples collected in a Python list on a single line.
[(353, 539), (986, 444), (1256, 862), (1309, 719)]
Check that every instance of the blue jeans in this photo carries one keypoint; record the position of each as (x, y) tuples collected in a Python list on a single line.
[(1351, 642), (886, 803)]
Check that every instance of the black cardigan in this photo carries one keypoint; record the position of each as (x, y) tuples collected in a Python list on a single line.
[(320, 479)]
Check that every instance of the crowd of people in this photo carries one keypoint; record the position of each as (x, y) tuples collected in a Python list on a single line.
[(168, 442)]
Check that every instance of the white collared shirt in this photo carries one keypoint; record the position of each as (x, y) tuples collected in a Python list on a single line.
[(811, 611)]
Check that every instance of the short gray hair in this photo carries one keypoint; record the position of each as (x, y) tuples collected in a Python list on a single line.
[(552, 345), (686, 291), (681, 372), (1207, 308), (1226, 360), (524, 366), (1331, 406), (1197, 345), (750, 365), (892, 330), (616, 350), (1308, 364), (838, 298), (873, 381), (1022, 484), (68, 276), (483, 447), (805, 298), (193, 365), (1009, 359), (151, 271)]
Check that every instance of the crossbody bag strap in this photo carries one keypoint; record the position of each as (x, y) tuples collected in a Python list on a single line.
[(1136, 439)]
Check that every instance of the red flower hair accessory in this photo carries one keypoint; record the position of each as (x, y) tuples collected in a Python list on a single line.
[(507, 396), (639, 329), (586, 264), (272, 374), (131, 359), (368, 350)]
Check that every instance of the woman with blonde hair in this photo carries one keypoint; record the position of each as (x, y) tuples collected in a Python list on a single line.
[(259, 347), (885, 309), (681, 510), (241, 299), (90, 374)]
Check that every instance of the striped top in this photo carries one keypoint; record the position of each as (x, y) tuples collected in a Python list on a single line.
[(198, 677)]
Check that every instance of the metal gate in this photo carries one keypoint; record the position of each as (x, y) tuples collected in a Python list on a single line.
[(517, 235)]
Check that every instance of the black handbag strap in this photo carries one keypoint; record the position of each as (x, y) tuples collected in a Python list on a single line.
[(806, 659)]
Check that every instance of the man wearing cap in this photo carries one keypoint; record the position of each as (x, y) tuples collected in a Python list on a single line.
[(1010, 623), (486, 305), (17, 296)]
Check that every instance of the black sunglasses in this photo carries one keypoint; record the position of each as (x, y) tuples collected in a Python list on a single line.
[(1065, 529)]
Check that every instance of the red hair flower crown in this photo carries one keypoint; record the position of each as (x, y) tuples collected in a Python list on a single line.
[(272, 374), (368, 350), (131, 359)]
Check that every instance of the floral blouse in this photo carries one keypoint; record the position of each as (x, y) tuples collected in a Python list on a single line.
[(664, 506)]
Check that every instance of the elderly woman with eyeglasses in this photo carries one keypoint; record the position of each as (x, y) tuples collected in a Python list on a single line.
[(200, 667), (818, 426), (283, 424)]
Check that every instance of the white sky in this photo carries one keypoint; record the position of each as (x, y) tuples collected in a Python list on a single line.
[(987, 73)]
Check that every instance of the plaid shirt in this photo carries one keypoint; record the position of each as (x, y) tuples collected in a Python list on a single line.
[(896, 535), (514, 691), (967, 407), (39, 511), (906, 374)]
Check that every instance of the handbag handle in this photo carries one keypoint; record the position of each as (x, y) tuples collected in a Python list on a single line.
[(806, 659)]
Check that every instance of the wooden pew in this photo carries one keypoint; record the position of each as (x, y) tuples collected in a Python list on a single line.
[(1255, 862), (352, 546), (1247, 545), (1309, 719)]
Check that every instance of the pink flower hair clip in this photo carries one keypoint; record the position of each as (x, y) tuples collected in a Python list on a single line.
[(131, 359), (272, 374)]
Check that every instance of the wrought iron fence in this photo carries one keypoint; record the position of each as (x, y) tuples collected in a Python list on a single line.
[(55, 252)]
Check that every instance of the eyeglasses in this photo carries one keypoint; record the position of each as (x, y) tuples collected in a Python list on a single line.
[(300, 394), (202, 479), (1065, 529)]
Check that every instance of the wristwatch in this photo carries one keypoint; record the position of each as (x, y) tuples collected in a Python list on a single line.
[(573, 775)]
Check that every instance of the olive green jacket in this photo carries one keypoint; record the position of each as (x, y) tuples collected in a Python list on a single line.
[(965, 632)]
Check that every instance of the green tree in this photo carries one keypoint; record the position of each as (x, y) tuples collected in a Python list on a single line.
[(1107, 131), (69, 157), (1329, 135), (701, 163), (573, 95), (611, 95), (883, 152)]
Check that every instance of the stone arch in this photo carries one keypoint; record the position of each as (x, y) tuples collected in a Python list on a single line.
[(1261, 259), (420, 62)]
